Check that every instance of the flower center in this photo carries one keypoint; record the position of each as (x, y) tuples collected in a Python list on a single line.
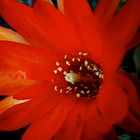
[(82, 75)]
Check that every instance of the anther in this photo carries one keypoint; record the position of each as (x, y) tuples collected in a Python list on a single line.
[(61, 90), (55, 71), (64, 72), (57, 63), (78, 95), (80, 68), (88, 91), (68, 63), (73, 59), (84, 54), (60, 69), (82, 92), (65, 56), (80, 53), (78, 59), (86, 63), (55, 88), (88, 67)]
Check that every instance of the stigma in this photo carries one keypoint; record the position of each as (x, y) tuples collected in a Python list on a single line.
[(82, 75)]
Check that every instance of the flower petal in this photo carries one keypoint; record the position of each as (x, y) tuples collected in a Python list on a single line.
[(59, 32), (11, 80), (94, 122), (131, 91), (73, 127), (9, 102), (71, 9), (23, 21), (34, 91), (131, 123), (10, 35), (128, 16), (87, 25), (47, 127), (33, 61), (24, 114), (91, 37), (105, 10), (113, 101)]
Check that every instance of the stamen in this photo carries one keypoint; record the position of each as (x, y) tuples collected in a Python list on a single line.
[(82, 75), (65, 56), (78, 95), (68, 63), (57, 63), (59, 69), (55, 71)]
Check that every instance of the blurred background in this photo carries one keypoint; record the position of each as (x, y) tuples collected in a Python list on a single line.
[(131, 63)]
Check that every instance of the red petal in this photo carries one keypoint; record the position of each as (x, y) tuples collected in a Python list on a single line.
[(33, 61), (105, 10), (113, 103), (23, 21), (72, 130), (71, 9), (34, 91), (46, 128), (29, 112), (59, 32), (131, 92), (131, 123), (94, 122), (16, 117), (12, 80), (128, 16), (87, 24)]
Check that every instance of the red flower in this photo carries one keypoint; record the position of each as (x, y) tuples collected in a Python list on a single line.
[(66, 81)]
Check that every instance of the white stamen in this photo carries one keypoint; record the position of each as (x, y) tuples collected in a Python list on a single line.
[(55, 71), (82, 92), (80, 53), (78, 95), (73, 59), (78, 59), (61, 90), (84, 54), (101, 76), (80, 68), (55, 88), (88, 91), (60, 69), (86, 63), (68, 63), (88, 67), (57, 63), (65, 56), (67, 91), (64, 72)]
